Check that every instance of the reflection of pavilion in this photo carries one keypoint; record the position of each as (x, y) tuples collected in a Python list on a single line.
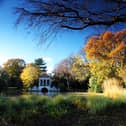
[(45, 84)]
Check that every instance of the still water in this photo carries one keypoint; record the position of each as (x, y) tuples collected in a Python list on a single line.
[(11, 93), (19, 93)]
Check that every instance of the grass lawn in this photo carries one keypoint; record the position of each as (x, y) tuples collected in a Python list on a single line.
[(71, 110)]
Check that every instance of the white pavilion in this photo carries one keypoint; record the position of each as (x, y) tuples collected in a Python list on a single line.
[(45, 82)]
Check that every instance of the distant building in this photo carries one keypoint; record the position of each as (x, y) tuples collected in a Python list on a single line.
[(45, 81), (45, 84)]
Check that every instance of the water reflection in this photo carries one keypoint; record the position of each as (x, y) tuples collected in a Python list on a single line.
[(50, 94), (11, 93), (15, 93)]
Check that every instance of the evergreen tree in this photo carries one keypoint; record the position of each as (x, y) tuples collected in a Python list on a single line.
[(42, 65)]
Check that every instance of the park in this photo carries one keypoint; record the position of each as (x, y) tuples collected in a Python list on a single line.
[(63, 63)]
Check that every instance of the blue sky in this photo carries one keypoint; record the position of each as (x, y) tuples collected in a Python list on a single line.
[(16, 43)]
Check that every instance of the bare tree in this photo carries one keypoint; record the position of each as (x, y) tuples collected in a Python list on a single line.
[(71, 14)]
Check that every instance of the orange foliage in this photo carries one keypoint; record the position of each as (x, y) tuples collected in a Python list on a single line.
[(107, 46), (107, 35)]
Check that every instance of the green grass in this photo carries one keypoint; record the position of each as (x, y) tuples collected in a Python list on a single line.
[(19, 110)]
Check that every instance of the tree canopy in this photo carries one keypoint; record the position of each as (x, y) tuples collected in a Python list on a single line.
[(107, 57), (79, 69), (14, 67), (41, 64), (70, 14), (29, 75), (108, 46)]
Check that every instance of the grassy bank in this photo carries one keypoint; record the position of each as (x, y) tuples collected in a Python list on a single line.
[(62, 110)]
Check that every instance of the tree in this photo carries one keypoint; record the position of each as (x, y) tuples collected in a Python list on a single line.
[(4, 78), (64, 67), (99, 72), (122, 73), (54, 15), (14, 67), (108, 46), (42, 65), (80, 70), (29, 75), (72, 72), (106, 54), (62, 73)]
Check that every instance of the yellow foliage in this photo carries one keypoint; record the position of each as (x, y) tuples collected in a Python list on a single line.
[(79, 69), (112, 88), (122, 73), (29, 75)]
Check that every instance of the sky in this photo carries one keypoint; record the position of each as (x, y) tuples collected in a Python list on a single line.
[(17, 43)]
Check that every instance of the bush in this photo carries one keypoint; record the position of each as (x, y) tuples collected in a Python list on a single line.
[(112, 88)]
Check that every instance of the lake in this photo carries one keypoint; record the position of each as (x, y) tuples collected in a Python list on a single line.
[(14, 92)]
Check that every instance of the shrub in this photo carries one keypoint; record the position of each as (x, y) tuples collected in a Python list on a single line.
[(112, 88)]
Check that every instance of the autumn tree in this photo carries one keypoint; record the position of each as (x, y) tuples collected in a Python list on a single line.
[(73, 72), (62, 73), (14, 67), (122, 74), (79, 69), (29, 75), (106, 53), (109, 47), (54, 15)]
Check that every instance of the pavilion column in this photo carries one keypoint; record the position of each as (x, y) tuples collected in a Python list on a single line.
[(46, 82), (39, 81)]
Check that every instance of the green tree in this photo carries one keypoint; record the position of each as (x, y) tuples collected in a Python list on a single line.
[(14, 67), (4, 78), (42, 65), (30, 75)]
